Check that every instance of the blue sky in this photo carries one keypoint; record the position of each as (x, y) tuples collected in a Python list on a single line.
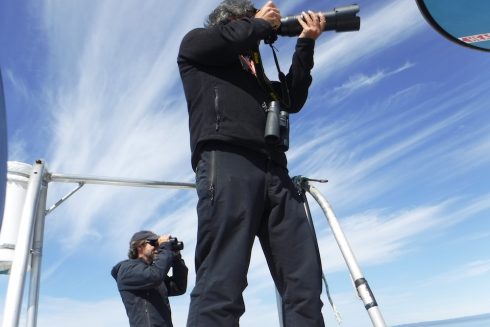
[(397, 120)]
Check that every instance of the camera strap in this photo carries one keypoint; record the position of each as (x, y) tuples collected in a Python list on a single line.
[(286, 100), (266, 84)]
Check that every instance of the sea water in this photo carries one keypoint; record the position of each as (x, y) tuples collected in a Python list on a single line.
[(469, 323), (475, 321)]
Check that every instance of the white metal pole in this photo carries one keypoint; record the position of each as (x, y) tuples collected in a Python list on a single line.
[(36, 259), (15, 289), (280, 310), (116, 181), (360, 282)]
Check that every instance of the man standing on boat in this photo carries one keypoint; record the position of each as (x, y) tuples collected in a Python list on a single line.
[(242, 181), (143, 282)]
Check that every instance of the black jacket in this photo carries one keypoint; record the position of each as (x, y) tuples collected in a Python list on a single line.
[(145, 288), (225, 102)]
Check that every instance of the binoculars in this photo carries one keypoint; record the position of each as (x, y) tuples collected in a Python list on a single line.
[(277, 127), (174, 243)]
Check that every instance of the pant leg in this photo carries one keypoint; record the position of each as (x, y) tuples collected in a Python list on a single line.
[(231, 190), (289, 246)]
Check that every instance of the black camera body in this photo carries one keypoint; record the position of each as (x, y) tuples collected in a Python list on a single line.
[(341, 19), (176, 244), (277, 127)]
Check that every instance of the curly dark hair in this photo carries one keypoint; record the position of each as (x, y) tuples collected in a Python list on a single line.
[(229, 9), (133, 249)]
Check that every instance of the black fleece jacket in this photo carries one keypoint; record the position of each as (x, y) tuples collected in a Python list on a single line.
[(225, 101), (145, 288)]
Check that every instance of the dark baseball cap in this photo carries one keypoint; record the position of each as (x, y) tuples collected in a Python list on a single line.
[(144, 235)]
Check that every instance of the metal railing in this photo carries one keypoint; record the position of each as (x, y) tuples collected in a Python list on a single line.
[(31, 230)]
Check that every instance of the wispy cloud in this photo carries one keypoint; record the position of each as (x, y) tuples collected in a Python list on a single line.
[(118, 109), (334, 52), (359, 82), (389, 236), (362, 152), (470, 270), (76, 313), (17, 148), (379, 31), (115, 108), (19, 86)]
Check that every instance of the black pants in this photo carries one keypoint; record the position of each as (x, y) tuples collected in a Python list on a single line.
[(242, 195)]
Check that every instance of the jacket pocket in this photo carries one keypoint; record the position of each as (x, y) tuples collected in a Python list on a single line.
[(206, 176)]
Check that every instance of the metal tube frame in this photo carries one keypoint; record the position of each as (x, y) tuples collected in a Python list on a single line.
[(36, 259), (299, 184), (116, 181), (31, 234), (361, 284), (63, 199), (31, 231), (15, 289)]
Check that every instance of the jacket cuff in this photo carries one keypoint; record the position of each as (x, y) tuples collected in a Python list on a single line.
[(306, 43), (304, 50)]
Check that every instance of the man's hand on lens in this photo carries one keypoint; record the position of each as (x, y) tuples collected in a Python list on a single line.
[(313, 24), (270, 13), (163, 239)]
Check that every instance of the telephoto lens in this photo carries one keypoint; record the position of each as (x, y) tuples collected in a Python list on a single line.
[(342, 19)]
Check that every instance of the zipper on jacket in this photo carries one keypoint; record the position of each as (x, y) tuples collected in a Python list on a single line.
[(212, 171), (216, 108)]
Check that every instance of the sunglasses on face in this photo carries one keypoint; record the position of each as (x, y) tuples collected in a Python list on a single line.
[(152, 242)]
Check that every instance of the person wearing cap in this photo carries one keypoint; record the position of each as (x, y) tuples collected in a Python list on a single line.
[(143, 281), (242, 182)]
